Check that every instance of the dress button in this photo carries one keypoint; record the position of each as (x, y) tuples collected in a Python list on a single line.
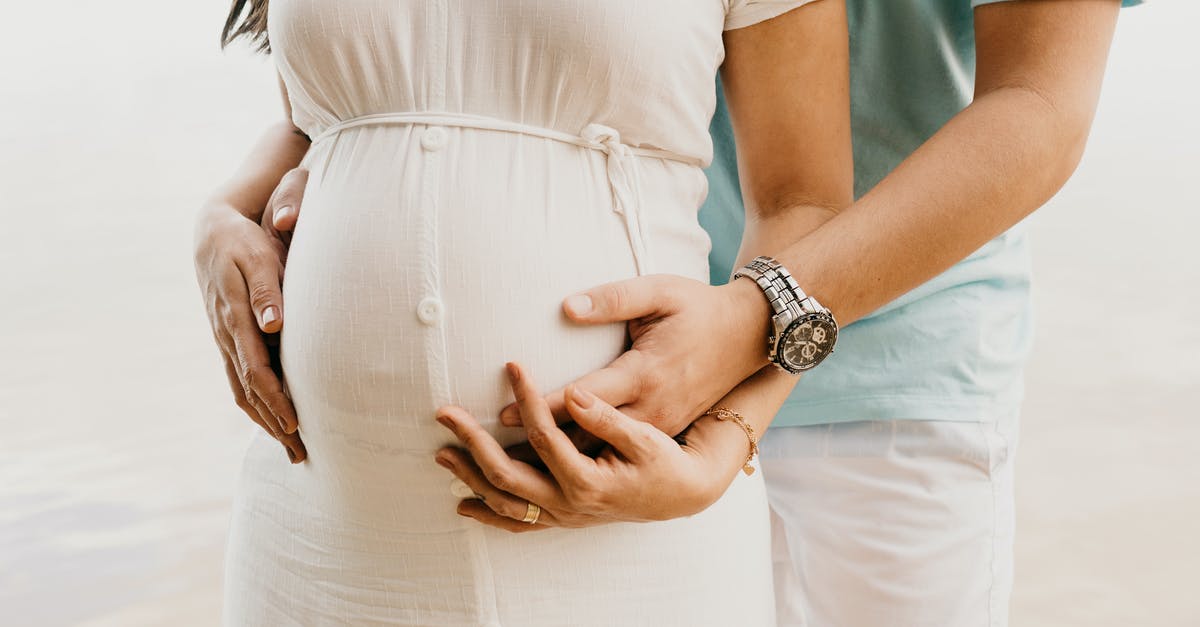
[(434, 138), (429, 310)]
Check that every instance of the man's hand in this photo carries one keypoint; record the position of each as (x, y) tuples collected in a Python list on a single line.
[(643, 475), (239, 266), (692, 344)]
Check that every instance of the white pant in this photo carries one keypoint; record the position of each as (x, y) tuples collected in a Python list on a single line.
[(893, 523)]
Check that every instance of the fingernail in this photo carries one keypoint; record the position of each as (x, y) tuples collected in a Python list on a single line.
[(443, 462), (445, 421), (579, 304), (291, 455), (269, 315), (582, 397), (284, 212), (508, 415), (514, 373)]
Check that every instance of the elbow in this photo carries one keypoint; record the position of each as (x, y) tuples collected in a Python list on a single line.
[(1072, 142), (1065, 124), (817, 193)]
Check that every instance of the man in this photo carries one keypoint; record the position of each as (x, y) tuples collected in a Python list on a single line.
[(890, 467)]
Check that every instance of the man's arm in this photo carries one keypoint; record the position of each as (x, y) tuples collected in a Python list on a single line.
[(1039, 68), (1040, 65)]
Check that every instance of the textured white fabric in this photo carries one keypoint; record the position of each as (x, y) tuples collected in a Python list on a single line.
[(898, 523), (434, 248)]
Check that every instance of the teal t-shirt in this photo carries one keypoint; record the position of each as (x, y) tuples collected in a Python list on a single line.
[(954, 348)]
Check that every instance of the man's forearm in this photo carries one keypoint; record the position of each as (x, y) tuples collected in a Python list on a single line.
[(987, 169), (279, 149)]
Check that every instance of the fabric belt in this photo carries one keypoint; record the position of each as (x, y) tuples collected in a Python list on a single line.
[(624, 176)]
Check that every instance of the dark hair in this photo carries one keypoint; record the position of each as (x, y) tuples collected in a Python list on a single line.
[(247, 18)]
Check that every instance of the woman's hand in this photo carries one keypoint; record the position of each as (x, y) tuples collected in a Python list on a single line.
[(643, 475), (239, 268), (283, 210), (692, 344)]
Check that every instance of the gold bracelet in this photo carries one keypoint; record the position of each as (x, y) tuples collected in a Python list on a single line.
[(723, 414)]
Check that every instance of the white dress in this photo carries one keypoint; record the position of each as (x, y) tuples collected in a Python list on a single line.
[(474, 162)]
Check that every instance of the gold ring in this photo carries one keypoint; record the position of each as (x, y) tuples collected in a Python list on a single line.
[(532, 513)]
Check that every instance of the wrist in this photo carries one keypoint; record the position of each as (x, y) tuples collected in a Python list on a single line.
[(724, 443), (219, 210), (214, 220), (750, 324), (802, 331)]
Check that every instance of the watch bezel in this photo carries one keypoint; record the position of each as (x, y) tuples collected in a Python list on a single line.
[(781, 354)]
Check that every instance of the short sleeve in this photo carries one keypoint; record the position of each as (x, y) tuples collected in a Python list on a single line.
[(743, 13), (976, 3)]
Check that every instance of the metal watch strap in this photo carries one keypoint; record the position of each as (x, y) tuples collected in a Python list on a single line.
[(781, 290), (798, 321)]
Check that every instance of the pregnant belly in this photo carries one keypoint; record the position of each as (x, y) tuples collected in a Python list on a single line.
[(409, 288)]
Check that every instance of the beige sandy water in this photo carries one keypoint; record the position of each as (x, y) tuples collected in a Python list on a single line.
[(119, 444)]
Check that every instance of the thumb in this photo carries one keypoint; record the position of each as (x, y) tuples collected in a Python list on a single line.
[(285, 202), (622, 301)]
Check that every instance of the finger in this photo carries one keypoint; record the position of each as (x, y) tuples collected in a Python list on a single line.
[(552, 445), (239, 394), (617, 382), (285, 202), (631, 438), (261, 271), (583, 442), (472, 508), (504, 473), (265, 386), (278, 397), (621, 301), (292, 443), (294, 446), (503, 503), (258, 379), (253, 357), (258, 410)]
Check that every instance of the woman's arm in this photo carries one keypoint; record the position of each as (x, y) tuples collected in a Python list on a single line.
[(278, 150), (642, 474), (238, 266)]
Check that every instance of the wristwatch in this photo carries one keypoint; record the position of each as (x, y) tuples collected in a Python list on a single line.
[(802, 332)]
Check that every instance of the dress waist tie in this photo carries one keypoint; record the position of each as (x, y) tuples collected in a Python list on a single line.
[(622, 167)]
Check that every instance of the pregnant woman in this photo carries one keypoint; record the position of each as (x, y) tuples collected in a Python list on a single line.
[(471, 162)]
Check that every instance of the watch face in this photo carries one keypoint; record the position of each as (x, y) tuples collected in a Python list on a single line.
[(807, 341)]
